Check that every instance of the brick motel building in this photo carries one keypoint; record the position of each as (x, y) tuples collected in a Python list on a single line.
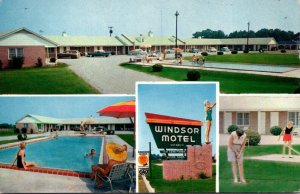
[(30, 45), (260, 112)]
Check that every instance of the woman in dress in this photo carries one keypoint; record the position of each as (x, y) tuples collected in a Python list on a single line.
[(208, 109), (287, 138), (235, 151)]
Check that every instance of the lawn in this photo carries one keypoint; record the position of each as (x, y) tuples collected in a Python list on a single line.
[(16, 140), (10, 132), (180, 186), (256, 58), (229, 82), (261, 176), (129, 138), (45, 80)]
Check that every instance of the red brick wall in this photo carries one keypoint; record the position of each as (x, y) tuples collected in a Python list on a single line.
[(253, 121), (234, 122), (221, 122), (199, 159), (283, 118), (31, 54)]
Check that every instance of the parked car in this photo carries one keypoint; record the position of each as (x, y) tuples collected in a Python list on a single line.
[(98, 53), (137, 52), (194, 50), (225, 49), (212, 49), (72, 54)]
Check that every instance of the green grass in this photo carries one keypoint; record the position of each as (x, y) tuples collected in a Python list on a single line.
[(229, 82), (180, 186), (10, 132), (45, 80), (16, 140), (129, 138), (261, 176), (256, 58)]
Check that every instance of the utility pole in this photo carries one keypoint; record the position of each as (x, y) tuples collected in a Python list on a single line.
[(176, 14), (248, 37)]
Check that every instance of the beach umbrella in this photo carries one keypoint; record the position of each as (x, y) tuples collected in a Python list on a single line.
[(121, 110), (89, 121), (177, 49)]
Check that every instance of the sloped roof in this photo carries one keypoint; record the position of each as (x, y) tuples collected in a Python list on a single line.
[(30, 118), (202, 41), (85, 40), (260, 103), (230, 41), (153, 40)]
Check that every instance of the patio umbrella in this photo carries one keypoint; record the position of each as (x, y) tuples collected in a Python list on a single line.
[(121, 110), (177, 49)]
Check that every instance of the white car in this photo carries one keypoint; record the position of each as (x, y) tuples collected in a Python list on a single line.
[(212, 49)]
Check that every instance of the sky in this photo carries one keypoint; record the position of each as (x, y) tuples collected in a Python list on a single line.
[(14, 108), (135, 17), (177, 100)]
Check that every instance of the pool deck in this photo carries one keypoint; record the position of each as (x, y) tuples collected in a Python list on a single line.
[(293, 73), (44, 180)]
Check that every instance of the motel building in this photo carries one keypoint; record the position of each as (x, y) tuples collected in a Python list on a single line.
[(30, 45), (259, 112), (36, 123)]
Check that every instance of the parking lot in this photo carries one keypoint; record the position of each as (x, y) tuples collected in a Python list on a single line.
[(107, 76)]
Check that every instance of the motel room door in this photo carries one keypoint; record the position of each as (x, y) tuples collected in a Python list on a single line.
[(262, 122), (227, 121)]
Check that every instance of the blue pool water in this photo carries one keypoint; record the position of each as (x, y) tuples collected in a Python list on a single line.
[(63, 153), (245, 67)]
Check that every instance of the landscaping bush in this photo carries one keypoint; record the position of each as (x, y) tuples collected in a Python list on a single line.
[(157, 68), (253, 136), (39, 62), (24, 130), (1, 64), (52, 60), (202, 175), (261, 50), (246, 51), (283, 51), (193, 75), (16, 63), (297, 91), (22, 136), (113, 53), (17, 130), (220, 53), (234, 52), (204, 53), (232, 128), (275, 130)]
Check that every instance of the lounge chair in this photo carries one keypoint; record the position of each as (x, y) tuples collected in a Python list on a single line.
[(118, 173)]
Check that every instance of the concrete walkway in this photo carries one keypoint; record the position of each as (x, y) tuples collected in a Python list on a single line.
[(276, 157), (107, 76)]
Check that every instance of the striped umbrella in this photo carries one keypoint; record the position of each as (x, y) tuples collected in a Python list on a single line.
[(119, 110)]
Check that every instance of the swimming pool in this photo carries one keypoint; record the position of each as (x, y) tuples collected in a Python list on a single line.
[(244, 67), (62, 153)]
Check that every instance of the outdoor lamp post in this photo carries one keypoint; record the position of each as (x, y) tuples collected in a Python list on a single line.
[(176, 14), (110, 30), (248, 36)]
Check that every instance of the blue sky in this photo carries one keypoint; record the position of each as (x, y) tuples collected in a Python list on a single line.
[(13, 107), (134, 17), (178, 100)]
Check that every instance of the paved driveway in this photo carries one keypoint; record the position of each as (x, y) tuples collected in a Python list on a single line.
[(107, 76)]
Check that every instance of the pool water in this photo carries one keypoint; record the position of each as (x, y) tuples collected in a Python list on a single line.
[(245, 67), (62, 153)]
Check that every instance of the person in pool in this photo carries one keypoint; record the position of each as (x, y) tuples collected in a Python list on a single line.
[(117, 155), (91, 154), (21, 158), (287, 138), (208, 109)]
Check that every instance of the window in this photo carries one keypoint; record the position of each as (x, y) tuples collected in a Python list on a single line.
[(242, 118), (15, 52), (295, 117)]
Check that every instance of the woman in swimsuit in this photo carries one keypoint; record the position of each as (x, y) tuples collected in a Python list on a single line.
[(208, 109), (21, 158)]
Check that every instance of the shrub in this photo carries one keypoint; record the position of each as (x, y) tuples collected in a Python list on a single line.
[(52, 59), (113, 52), (22, 136), (17, 130), (253, 136), (297, 91), (220, 53), (261, 50), (232, 128), (24, 130), (157, 68), (275, 130), (246, 51), (1, 64), (283, 51), (234, 52), (16, 63), (193, 75), (39, 62), (204, 53), (202, 175)]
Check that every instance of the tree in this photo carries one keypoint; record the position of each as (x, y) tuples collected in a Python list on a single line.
[(208, 33)]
